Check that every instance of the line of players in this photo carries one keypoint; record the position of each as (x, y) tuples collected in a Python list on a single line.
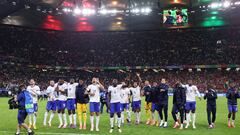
[(75, 96)]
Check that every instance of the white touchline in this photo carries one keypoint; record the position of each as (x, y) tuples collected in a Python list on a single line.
[(47, 133)]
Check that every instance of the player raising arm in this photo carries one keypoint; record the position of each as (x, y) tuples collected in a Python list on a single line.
[(136, 99), (191, 91), (94, 95)]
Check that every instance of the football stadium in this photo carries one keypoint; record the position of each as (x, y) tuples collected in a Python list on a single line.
[(86, 67)]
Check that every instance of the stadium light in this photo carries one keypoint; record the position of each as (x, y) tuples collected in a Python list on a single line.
[(67, 10), (237, 3), (214, 5), (228, 69), (87, 11), (103, 11), (226, 4), (77, 11)]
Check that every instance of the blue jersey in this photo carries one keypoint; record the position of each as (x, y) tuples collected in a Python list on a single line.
[(21, 100), (232, 95)]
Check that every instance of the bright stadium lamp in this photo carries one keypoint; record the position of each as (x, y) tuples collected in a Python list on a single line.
[(136, 10), (226, 4), (77, 11), (103, 11), (214, 5), (237, 3), (148, 10)]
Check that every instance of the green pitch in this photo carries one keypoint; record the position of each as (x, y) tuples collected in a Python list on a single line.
[(8, 123)]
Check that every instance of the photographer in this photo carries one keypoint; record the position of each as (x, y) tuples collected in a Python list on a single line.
[(24, 106)]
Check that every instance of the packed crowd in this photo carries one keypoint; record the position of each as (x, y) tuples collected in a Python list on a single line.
[(155, 48), (21, 47)]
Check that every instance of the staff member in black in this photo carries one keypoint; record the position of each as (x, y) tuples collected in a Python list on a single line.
[(179, 100), (211, 95)]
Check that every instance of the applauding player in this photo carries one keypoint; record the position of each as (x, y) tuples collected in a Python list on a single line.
[(71, 103), (51, 104), (61, 89), (163, 102), (35, 92), (148, 101), (179, 100), (114, 92), (211, 96), (125, 98)]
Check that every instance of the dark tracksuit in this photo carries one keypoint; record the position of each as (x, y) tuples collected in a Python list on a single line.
[(162, 101), (211, 97), (179, 100), (104, 101), (81, 97), (154, 98), (22, 113), (147, 93), (232, 96)]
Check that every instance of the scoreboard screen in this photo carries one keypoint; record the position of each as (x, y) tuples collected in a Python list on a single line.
[(175, 18)]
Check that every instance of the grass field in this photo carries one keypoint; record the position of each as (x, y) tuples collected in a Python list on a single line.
[(8, 123)]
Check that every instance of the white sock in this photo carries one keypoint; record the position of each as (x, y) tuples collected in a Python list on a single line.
[(193, 118), (34, 119), (91, 121), (129, 115), (153, 116), (136, 115), (65, 118), (29, 130), (111, 122), (74, 119), (119, 122), (45, 118), (30, 119), (97, 121), (51, 117), (188, 117), (18, 131), (60, 118), (139, 116), (122, 117), (161, 122), (70, 118), (116, 119)]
